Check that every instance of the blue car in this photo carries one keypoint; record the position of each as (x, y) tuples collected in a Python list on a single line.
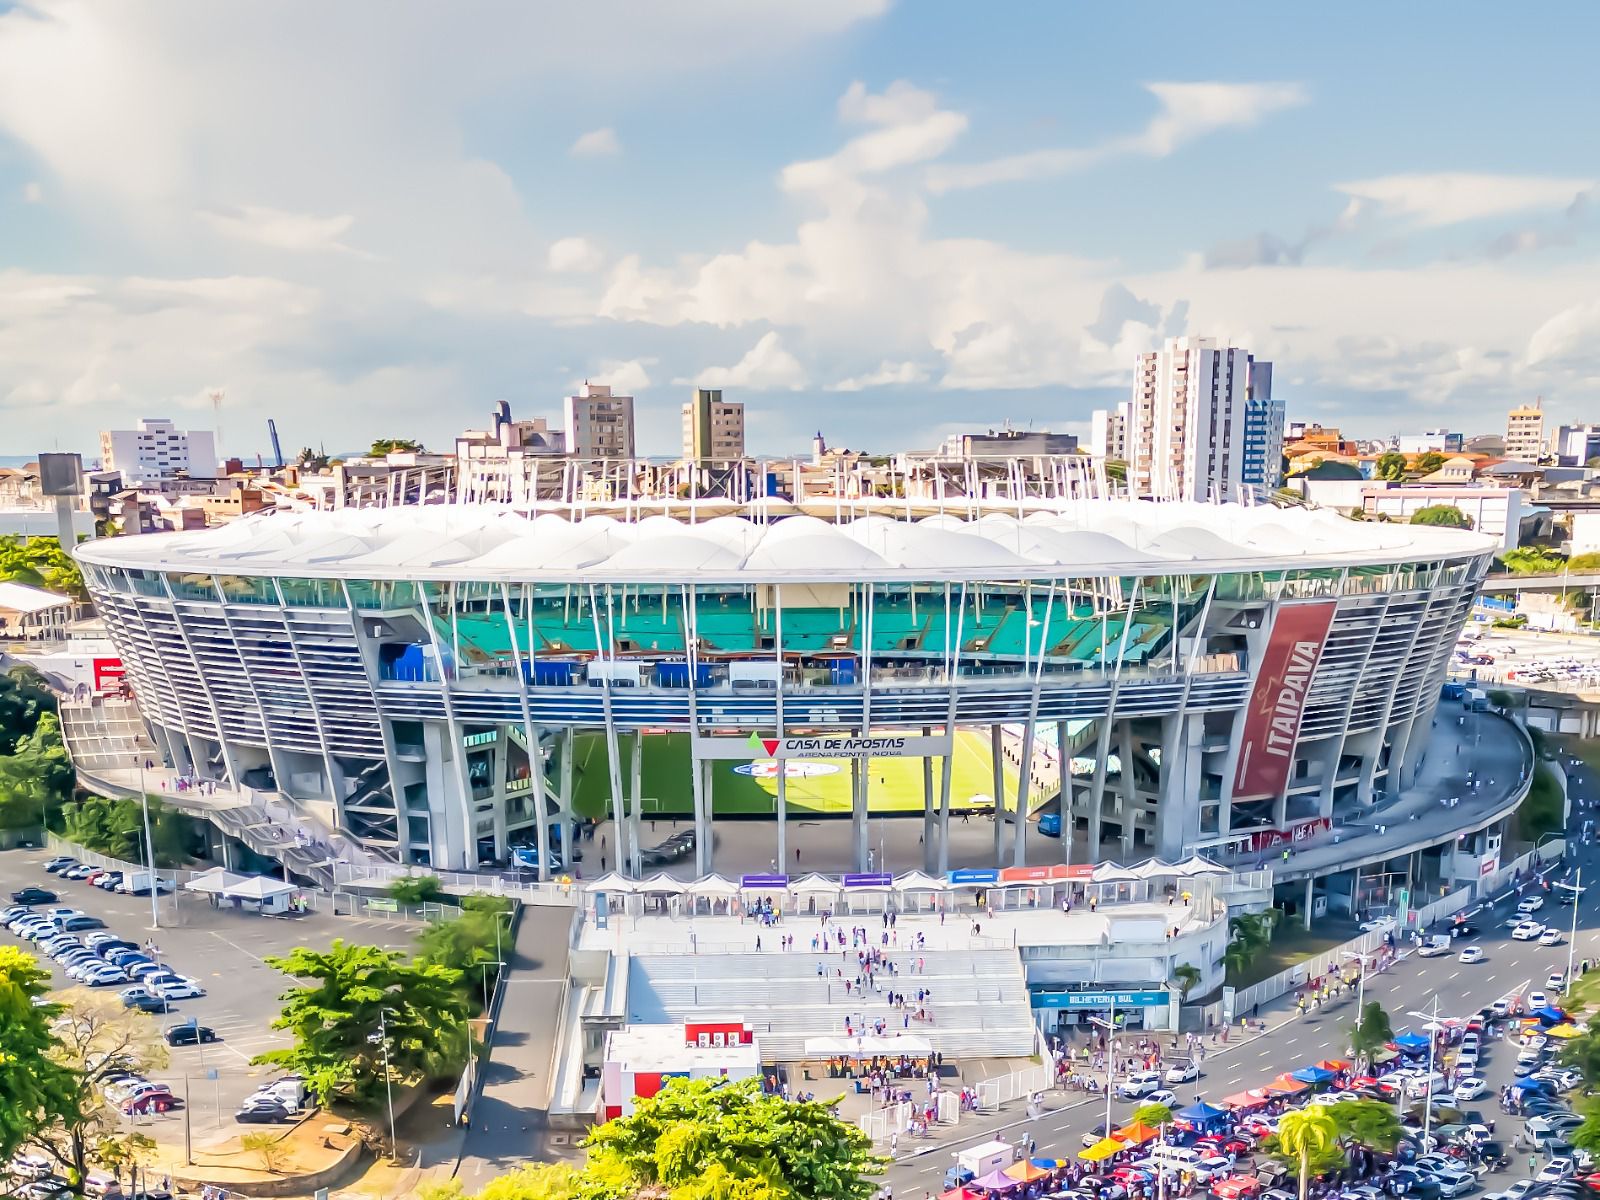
[(1050, 824)]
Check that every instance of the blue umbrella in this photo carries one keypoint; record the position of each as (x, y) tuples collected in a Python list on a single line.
[(1529, 1084), (1200, 1112), (1551, 1015), (1312, 1075), (1411, 1042)]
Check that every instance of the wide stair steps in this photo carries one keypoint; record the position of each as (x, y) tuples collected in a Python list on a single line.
[(980, 998)]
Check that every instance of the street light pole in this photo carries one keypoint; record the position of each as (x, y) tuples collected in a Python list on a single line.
[(1572, 941), (1110, 1026), (1427, 1095), (388, 1084), (149, 850)]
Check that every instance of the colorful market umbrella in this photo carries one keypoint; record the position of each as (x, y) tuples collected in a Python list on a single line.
[(1565, 1030), (1200, 1113), (1102, 1150), (1287, 1084), (1137, 1134), (1312, 1075), (1026, 1172), (1049, 1164), (1334, 1064), (1550, 1015), (994, 1181), (1414, 1042), (1248, 1099)]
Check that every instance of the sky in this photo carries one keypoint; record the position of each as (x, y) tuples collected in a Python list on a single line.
[(886, 221)]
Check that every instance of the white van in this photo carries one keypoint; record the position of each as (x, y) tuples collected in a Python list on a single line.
[(1178, 1157)]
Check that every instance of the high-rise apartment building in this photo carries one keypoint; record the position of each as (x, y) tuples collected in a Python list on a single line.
[(713, 428), (1264, 419), (1525, 431), (598, 424), (1186, 421), (1108, 432), (158, 450)]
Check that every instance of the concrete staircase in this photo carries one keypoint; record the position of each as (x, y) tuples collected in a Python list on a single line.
[(980, 999)]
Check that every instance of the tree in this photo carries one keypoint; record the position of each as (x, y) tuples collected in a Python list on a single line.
[(34, 1091), (41, 562), (37, 777), (1587, 1135), (1371, 1032), (707, 1139), (1441, 514), (1544, 809), (468, 942), (95, 1035), (417, 889), (1391, 466), (268, 1147), (24, 700), (1367, 1123), (531, 1181), (336, 1024), (1428, 463), (1531, 560), (311, 460), (128, 1150), (1153, 1115), (1185, 975), (1309, 1139), (1582, 1054), (395, 445)]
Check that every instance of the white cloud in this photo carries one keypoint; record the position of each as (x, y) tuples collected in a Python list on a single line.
[(1186, 111), (1572, 333), (576, 254), (911, 128), (888, 374), (597, 143), (1449, 198), (33, 192), (767, 366), (627, 377), (282, 230)]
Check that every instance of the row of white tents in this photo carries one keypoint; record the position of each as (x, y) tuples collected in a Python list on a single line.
[(272, 895), (912, 881)]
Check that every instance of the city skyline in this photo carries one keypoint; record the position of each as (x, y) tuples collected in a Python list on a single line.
[(847, 216)]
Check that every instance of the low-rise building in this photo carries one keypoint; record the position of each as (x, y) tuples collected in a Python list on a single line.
[(1498, 512)]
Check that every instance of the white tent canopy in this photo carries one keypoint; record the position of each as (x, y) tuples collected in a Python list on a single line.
[(1195, 865), (815, 883), (612, 882), (663, 884), (1112, 873), (713, 885), (917, 881), (1154, 868), (213, 882), (259, 887)]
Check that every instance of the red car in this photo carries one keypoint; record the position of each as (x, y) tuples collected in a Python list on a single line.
[(153, 1102)]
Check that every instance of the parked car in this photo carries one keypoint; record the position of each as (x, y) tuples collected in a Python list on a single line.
[(262, 1112), (33, 895), (189, 1034), (150, 1102), (60, 863), (83, 922)]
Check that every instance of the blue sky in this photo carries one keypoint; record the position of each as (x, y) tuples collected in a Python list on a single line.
[(887, 220)]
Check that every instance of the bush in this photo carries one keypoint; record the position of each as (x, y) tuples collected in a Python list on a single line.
[(1543, 811), (1447, 515), (417, 889), (1501, 698), (1589, 561)]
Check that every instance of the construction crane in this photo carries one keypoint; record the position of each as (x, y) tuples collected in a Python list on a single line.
[(277, 450)]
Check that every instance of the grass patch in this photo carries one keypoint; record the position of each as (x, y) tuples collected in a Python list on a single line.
[(894, 784), (1293, 943), (1542, 811), (1584, 994)]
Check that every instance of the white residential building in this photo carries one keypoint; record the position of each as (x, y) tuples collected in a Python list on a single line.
[(1108, 432), (598, 424), (158, 450), (1525, 431), (1186, 421)]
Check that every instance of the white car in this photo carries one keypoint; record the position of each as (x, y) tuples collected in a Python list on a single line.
[(1555, 1169), (1139, 1085), (1556, 981), (1550, 937), (1472, 954), (1530, 904), (31, 1166), (1184, 1072), (1516, 1191), (1466, 1060), (1162, 1096), (1526, 931), (1537, 1000), (1378, 925), (183, 989), (1470, 1089), (1215, 1166)]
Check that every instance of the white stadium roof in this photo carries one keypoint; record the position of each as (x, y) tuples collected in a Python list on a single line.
[(1105, 537)]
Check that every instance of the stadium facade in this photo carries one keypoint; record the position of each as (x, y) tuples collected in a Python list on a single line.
[(1214, 677)]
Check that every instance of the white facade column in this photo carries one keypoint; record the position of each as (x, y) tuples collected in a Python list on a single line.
[(997, 750), (635, 851), (858, 814), (929, 816)]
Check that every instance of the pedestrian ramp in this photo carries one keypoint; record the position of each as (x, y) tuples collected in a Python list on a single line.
[(979, 1003)]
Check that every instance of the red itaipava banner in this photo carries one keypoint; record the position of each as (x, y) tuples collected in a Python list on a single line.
[(1272, 717)]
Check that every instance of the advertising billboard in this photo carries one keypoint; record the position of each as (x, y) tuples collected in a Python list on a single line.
[(1278, 700)]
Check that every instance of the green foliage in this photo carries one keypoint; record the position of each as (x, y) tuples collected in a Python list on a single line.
[(34, 1091), (1501, 698), (1515, 621), (311, 460), (116, 828), (1428, 463), (1582, 1054), (1544, 810), (1588, 561), (40, 562), (417, 889), (1533, 560), (1441, 514), (1116, 470), (394, 445), (1307, 1139), (120, 1152), (1153, 1115), (470, 941), (335, 1018), (706, 1139), (268, 1147), (531, 1181), (1587, 1135), (1371, 1031), (1185, 975), (36, 777), (1369, 1123), (1391, 466), (24, 700)]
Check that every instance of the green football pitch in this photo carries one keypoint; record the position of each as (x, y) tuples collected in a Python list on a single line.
[(895, 784)]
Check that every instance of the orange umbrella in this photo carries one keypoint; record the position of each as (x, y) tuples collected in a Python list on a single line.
[(1285, 1083), (1334, 1064), (1026, 1172), (1138, 1133)]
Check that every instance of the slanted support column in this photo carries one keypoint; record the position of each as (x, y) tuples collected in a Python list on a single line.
[(858, 813), (929, 820), (635, 851), (997, 750)]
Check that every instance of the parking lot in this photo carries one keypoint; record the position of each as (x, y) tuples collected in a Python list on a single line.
[(1549, 660), (223, 951)]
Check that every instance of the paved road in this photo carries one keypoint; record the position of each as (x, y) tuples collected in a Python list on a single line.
[(1293, 1041)]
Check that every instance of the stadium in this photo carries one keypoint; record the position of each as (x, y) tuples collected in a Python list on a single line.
[(439, 685)]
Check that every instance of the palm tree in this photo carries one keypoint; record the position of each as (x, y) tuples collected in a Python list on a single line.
[(1306, 1134), (1185, 975)]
